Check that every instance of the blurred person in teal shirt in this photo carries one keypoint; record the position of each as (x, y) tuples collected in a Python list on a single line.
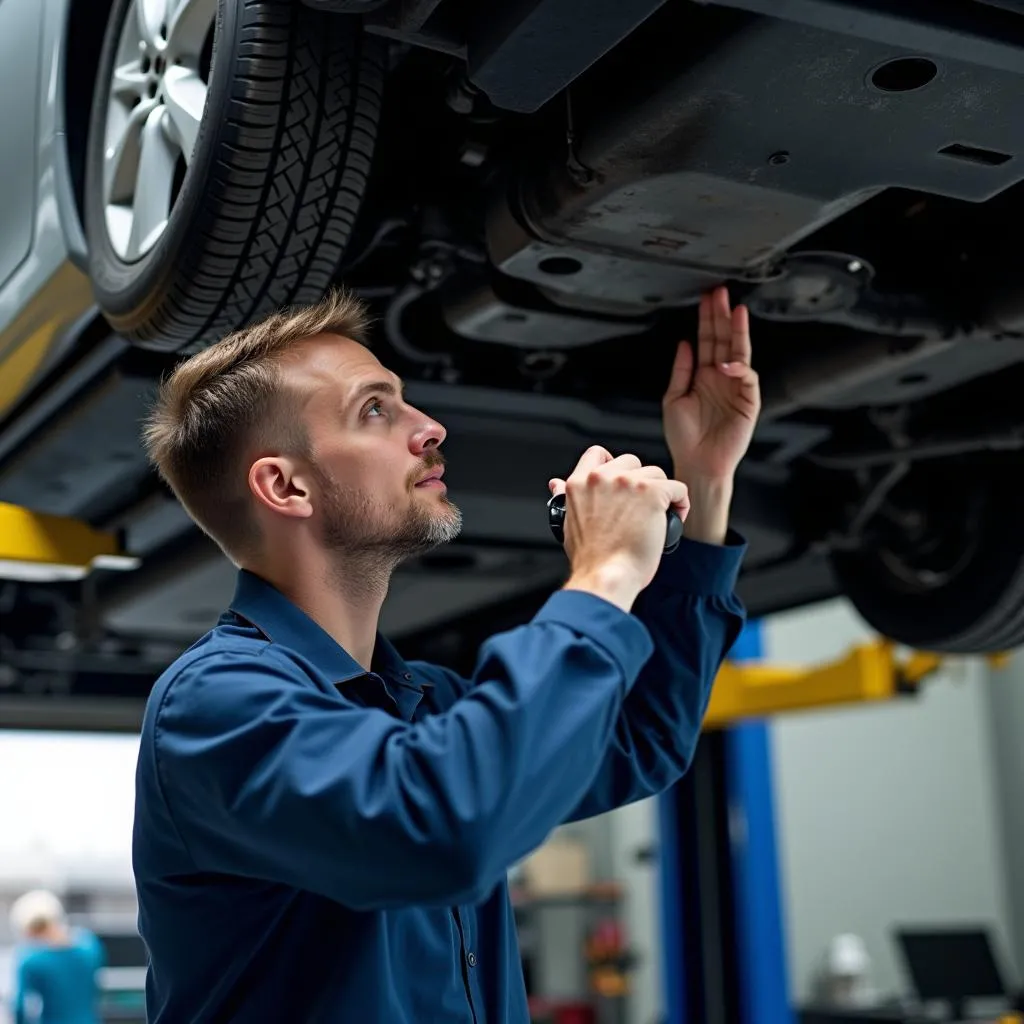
[(56, 965)]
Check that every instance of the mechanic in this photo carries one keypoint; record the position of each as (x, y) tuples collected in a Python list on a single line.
[(323, 831)]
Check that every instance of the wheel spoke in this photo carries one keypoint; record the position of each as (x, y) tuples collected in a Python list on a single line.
[(129, 80), (188, 22), (154, 181), (151, 15), (121, 157), (132, 42), (185, 96)]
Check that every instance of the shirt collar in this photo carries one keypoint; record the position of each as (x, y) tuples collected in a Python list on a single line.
[(283, 622)]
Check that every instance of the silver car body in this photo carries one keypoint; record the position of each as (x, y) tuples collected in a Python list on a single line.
[(45, 295)]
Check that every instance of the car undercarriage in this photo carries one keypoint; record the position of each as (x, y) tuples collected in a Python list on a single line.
[(532, 196)]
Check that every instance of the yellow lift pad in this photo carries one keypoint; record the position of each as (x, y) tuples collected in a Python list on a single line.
[(45, 548)]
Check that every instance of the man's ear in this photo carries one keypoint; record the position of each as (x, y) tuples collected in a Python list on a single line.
[(282, 486)]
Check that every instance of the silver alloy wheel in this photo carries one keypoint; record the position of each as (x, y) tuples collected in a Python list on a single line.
[(157, 98)]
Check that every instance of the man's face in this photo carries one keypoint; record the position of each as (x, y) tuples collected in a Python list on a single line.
[(376, 460)]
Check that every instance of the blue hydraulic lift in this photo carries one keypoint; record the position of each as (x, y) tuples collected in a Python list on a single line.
[(723, 934), (723, 939), (760, 930)]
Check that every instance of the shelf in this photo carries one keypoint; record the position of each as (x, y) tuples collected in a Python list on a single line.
[(603, 894)]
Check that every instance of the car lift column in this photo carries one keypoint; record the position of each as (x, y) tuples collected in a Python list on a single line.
[(757, 904), (723, 942)]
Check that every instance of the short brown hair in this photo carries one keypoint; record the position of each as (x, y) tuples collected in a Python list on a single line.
[(220, 404)]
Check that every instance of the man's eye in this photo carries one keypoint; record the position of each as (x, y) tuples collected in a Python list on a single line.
[(375, 408)]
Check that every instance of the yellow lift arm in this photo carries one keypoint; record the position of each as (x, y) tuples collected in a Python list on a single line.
[(48, 548), (868, 672)]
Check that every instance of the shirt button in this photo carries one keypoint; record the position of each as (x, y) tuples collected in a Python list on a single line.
[(471, 959)]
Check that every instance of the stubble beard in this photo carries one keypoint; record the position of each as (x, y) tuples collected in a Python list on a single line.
[(370, 537)]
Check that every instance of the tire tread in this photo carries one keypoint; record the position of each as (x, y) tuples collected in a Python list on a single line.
[(292, 165)]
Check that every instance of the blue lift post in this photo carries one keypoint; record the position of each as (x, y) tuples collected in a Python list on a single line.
[(670, 861), (760, 931), (723, 941)]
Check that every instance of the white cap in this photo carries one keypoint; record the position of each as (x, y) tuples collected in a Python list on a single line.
[(848, 956)]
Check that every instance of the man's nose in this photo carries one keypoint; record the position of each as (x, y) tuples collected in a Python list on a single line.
[(429, 435)]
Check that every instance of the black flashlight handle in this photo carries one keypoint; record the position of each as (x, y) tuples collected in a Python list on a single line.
[(556, 520)]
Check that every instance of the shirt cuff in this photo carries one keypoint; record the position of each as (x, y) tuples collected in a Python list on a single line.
[(704, 570), (620, 634)]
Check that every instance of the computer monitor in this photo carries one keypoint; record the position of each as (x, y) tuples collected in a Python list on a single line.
[(123, 949), (955, 965)]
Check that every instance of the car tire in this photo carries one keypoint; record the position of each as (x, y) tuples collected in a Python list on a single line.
[(979, 608), (345, 6), (262, 215)]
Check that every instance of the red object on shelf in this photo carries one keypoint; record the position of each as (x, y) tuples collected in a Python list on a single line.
[(555, 1011), (574, 1013)]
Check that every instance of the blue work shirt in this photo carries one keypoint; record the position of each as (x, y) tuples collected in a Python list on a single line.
[(63, 979), (316, 843)]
